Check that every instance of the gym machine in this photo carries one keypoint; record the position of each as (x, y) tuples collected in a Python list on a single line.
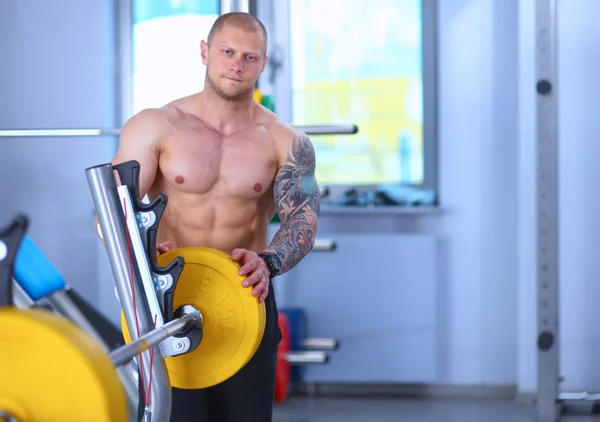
[(551, 403)]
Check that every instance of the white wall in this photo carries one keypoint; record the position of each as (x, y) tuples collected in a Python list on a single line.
[(477, 150)]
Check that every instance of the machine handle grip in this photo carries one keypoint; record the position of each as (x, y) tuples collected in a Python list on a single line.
[(35, 273), (10, 240)]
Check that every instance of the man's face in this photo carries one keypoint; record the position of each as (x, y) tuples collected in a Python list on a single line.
[(234, 61)]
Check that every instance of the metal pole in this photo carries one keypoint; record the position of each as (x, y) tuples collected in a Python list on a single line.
[(4, 416), (65, 306), (300, 358), (47, 133), (235, 6), (20, 298), (125, 353), (324, 245), (548, 377), (328, 129), (94, 132), (320, 344), (226, 6), (112, 223)]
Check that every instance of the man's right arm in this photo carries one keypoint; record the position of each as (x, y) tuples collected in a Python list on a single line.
[(140, 140)]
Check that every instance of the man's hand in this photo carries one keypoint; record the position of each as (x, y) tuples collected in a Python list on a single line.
[(256, 269), (163, 247)]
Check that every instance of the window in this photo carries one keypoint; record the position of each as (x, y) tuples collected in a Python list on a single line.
[(166, 61), (369, 64)]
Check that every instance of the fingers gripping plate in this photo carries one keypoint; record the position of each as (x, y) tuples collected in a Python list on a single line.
[(233, 321)]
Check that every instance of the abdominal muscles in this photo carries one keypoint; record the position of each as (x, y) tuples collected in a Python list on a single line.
[(219, 223)]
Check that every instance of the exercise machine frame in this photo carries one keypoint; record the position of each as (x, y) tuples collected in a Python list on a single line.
[(551, 403)]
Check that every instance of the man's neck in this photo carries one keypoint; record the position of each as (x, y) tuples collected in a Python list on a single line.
[(226, 116)]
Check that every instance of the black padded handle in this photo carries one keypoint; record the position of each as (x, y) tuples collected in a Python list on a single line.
[(129, 174), (10, 240)]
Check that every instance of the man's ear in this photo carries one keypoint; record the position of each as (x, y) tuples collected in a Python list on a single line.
[(204, 51), (264, 63)]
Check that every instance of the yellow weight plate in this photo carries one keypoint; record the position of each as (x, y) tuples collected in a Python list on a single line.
[(262, 310), (51, 370), (233, 321)]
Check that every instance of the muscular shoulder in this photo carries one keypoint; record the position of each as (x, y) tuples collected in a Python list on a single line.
[(293, 145), (151, 120), (149, 126)]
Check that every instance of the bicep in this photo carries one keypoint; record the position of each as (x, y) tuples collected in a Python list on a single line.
[(296, 191)]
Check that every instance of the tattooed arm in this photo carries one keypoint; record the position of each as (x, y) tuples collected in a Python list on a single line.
[(297, 202)]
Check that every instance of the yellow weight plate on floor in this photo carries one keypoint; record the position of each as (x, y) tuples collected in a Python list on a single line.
[(233, 321), (51, 370)]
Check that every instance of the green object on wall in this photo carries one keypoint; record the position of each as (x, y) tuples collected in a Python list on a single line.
[(268, 102)]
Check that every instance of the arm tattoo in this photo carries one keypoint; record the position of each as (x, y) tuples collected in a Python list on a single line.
[(297, 202)]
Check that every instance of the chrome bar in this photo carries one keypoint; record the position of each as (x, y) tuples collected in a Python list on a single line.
[(111, 219), (324, 245), (320, 344), (226, 6), (7, 417), (547, 196), (328, 129), (44, 133), (63, 304), (20, 297), (125, 353), (296, 358), (87, 132)]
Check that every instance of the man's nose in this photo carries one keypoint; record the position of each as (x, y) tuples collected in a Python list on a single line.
[(236, 65)]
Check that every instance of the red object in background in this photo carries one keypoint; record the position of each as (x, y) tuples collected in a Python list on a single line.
[(282, 374)]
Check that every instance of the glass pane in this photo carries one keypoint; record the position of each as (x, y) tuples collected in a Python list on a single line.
[(359, 62), (166, 49)]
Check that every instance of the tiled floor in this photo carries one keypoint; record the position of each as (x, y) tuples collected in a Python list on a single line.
[(301, 409)]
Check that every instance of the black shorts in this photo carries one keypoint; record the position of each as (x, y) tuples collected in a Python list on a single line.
[(245, 397)]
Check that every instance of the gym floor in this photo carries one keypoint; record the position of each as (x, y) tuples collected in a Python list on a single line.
[(352, 409)]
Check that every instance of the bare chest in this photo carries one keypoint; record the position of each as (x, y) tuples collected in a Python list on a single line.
[(201, 160)]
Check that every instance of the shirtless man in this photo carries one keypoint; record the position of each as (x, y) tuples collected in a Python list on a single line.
[(227, 164)]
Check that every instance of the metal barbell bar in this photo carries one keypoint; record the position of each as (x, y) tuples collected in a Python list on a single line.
[(124, 354)]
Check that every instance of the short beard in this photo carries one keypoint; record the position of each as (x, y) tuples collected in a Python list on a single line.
[(244, 95)]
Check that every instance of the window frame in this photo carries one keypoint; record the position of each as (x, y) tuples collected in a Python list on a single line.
[(276, 17)]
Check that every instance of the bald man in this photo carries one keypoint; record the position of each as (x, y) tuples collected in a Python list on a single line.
[(227, 165)]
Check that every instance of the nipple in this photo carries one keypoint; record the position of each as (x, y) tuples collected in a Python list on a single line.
[(179, 179), (258, 187)]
